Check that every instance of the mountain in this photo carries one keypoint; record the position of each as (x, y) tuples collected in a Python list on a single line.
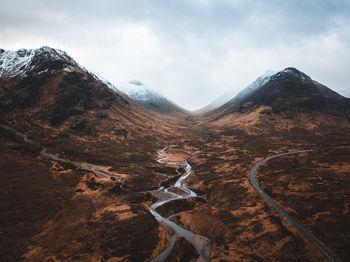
[(52, 106), (82, 170), (227, 96), (26, 62), (289, 94), (46, 84), (146, 97), (259, 82)]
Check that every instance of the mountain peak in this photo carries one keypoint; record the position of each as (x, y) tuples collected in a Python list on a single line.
[(287, 92), (146, 97), (138, 91), (27, 62), (292, 74), (23, 62)]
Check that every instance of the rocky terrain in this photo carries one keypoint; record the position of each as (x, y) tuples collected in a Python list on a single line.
[(79, 171)]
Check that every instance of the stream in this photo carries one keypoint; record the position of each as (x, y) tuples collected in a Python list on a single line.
[(199, 242)]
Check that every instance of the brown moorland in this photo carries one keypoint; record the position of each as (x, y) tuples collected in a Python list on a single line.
[(53, 211)]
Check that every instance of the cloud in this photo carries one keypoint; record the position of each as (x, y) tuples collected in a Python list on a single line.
[(189, 50)]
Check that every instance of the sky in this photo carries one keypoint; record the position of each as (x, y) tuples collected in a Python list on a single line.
[(191, 51)]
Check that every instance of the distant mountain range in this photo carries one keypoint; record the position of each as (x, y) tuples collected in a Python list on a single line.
[(70, 89), (46, 60)]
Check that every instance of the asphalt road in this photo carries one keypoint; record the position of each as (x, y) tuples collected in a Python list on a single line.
[(301, 229)]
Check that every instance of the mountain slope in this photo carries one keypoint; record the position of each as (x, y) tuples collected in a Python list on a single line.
[(146, 97), (77, 117), (25, 62), (288, 90), (227, 96), (53, 88), (258, 83), (289, 98)]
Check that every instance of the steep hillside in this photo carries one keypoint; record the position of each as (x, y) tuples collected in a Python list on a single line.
[(77, 162), (48, 89), (287, 98), (287, 113), (228, 97)]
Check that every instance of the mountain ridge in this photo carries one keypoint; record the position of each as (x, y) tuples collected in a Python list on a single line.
[(23, 61), (288, 90), (146, 97)]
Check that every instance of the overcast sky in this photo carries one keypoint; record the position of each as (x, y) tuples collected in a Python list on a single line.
[(191, 51)]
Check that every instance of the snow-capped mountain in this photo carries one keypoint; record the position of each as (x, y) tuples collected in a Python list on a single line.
[(24, 62), (287, 92), (259, 82), (51, 83), (47, 61), (138, 91), (145, 96), (226, 97)]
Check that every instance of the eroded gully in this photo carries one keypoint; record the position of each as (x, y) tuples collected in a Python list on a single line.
[(199, 242)]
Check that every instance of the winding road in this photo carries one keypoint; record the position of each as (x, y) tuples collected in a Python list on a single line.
[(301, 229), (82, 165), (199, 242)]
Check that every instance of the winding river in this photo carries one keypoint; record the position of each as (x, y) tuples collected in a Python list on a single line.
[(199, 242)]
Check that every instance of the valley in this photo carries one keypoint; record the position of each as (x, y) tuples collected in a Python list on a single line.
[(90, 174)]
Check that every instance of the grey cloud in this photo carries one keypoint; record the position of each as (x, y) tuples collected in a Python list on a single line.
[(190, 50)]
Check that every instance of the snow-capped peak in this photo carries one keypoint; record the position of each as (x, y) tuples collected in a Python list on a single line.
[(137, 91), (146, 97), (13, 63), (292, 73), (262, 80), (226, 97), (259, 82), (24, 62)]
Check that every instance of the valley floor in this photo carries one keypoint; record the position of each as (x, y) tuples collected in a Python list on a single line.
[(54, 211)]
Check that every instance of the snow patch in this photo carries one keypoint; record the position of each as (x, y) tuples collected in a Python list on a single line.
[(138, 91), (14, 63), (259, 82), (19, 63)]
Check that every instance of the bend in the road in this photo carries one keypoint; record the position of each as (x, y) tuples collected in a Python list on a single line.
[(300, 228)]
